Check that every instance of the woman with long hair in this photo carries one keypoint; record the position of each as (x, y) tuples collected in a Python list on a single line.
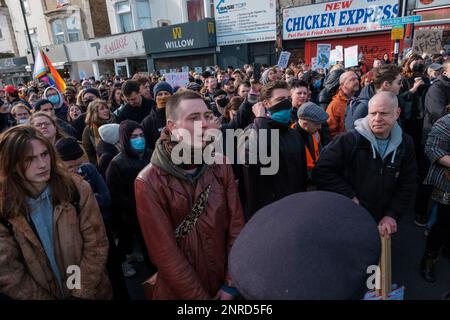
[(116, 99), (48, 126), (50, 225), (98, 114)]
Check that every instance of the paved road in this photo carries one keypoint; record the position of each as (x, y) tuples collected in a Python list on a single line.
[(407, 249)]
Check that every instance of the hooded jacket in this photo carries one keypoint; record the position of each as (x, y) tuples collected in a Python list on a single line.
[(352, 166), (196, 267), (61, 109), (108, 147), (123, 170), (153, 125), (436, 101)]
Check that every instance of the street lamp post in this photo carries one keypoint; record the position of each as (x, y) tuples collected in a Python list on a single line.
[(397, 42), (22, 7)]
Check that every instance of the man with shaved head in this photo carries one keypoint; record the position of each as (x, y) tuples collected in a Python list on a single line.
[(349, 86), (374, 164)]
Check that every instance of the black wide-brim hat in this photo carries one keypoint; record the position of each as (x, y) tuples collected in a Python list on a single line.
[(313, 245)]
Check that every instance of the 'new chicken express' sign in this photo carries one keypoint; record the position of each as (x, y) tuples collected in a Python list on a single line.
[(339, 17)]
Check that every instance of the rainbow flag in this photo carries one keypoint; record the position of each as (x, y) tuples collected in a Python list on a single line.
[(44, 71)]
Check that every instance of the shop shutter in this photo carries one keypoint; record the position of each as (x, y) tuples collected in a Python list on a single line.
[(373, 46)]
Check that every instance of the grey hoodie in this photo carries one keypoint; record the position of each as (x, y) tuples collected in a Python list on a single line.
[(61, 98), (362, 126)]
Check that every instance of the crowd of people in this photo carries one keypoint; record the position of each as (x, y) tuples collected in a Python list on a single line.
[(88, 176)]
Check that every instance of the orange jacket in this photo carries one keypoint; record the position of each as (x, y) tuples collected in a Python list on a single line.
[(336, 111)]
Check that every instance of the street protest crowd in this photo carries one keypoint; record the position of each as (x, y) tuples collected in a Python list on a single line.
[(88, 176)]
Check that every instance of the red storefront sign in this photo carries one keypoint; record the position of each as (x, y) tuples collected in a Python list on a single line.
[(373, 46)]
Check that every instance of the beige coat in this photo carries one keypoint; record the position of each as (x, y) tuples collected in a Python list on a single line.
[(25, 272)]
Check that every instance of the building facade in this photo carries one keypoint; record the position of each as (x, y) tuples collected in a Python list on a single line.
[(8, 45)]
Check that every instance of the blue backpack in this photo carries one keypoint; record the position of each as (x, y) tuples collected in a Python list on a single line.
[(353, 104)]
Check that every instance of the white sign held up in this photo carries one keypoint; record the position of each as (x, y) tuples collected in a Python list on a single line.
[(283, 61), (177, 79)]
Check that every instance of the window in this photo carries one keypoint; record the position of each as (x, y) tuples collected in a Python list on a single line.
[(195, 10), (58, 31), (125, 17), (73, 29), (143, 14)]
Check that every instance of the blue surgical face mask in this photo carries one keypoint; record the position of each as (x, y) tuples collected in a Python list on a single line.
[(54, 100), (282, 116), (138, 144)]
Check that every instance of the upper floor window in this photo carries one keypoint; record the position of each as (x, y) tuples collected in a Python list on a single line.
[(58, 31), (73, 29), (143, 14), (66, 30), (196, 10), (125, 16)]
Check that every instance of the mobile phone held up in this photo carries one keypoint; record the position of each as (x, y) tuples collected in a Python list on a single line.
[(257, 72)]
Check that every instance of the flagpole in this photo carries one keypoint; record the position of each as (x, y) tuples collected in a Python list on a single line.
[(28, 30)]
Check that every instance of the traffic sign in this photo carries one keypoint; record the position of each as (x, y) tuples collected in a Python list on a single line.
[(400, 20), (397, 33)]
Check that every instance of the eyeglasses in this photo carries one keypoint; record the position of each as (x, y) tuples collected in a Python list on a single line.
[(43, 125)]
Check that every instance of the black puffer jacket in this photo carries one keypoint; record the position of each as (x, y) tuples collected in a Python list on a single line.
[(123, 170), (352, 166), (330, 87), (153, 125), (290, 176), (436, 101)]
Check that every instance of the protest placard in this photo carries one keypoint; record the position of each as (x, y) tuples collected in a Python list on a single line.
[(177, 79), (427, 41), (351, 56), (283, 61), (323, 55)]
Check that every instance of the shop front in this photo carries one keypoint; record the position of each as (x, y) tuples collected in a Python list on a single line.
[(340, 23), (14, 71), (432, 33), (173, 47), (122, 55)]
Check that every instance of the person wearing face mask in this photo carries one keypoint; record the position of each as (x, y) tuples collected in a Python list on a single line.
[(156, 120), (21, 113), (56, 98), (288, 174), (220, 102), (120, 177)]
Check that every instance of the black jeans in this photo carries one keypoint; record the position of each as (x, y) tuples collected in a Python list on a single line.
[(440, 232)]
